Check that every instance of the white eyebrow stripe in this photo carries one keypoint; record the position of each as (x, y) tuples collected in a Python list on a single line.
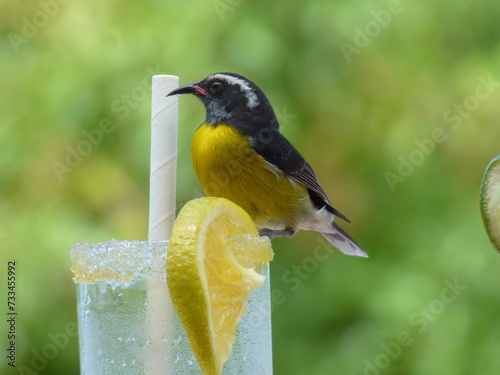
[(252, 100), (233, 80)]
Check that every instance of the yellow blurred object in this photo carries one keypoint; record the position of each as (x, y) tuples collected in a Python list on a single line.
[(213, 254)]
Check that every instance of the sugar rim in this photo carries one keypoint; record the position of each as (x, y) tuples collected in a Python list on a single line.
[(118, 260)]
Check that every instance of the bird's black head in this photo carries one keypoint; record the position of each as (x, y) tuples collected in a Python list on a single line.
[(232, 99)]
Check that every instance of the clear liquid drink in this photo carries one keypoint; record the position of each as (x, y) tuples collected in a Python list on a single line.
[(127, 324)]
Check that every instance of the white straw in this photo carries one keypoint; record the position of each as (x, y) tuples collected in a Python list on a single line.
[(163, 157), (161, 216)]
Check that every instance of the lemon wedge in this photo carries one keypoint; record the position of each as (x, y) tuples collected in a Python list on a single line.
[(489, 200), (214, 252)]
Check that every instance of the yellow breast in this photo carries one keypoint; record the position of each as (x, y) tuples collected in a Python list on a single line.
[(228, 167)]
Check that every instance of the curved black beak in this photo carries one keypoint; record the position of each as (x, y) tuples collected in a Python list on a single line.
[(190, 88)]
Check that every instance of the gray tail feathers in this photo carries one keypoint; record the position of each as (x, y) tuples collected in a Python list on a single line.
[(344, 242)]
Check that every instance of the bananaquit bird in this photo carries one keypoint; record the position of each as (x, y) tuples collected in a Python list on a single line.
[(238, 153)]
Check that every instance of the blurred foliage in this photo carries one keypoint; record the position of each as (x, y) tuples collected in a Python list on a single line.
[(363, 119)]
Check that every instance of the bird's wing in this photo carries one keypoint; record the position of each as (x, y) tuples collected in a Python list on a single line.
[(279, 152)]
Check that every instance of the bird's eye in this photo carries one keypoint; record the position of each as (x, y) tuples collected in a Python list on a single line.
[(216, 86)]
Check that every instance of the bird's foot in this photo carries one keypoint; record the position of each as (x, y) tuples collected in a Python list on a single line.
[(271, 233)]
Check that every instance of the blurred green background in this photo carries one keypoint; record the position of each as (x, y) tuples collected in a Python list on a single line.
[(394, 103)]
